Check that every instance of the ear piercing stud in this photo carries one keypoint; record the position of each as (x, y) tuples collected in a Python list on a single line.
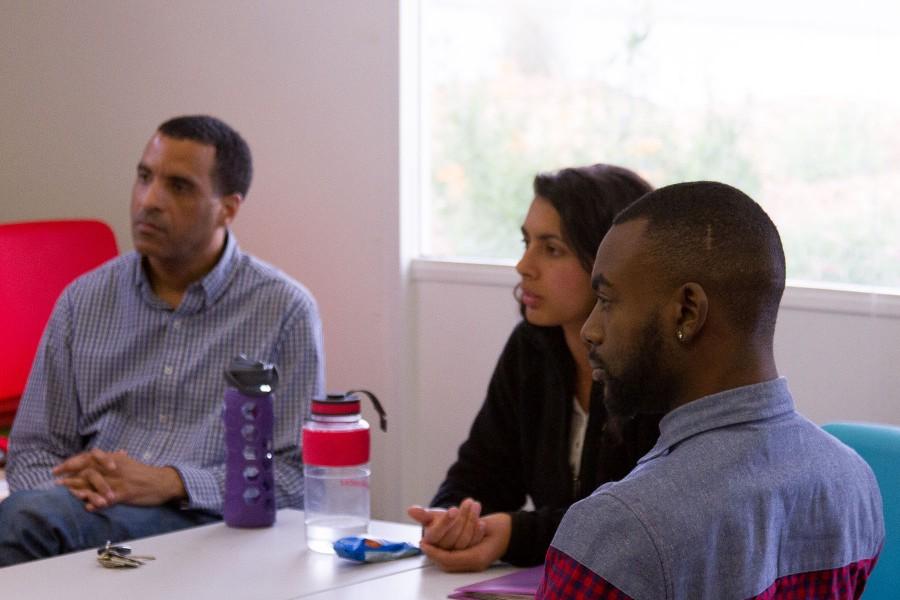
[(679, 335)]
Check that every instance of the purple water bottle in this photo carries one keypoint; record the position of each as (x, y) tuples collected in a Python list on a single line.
[(249, 479)]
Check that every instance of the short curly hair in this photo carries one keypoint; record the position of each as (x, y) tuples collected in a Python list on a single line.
[(233, 168), (717, 236)]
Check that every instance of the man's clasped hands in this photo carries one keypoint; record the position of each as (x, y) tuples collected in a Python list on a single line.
[(102, 479)]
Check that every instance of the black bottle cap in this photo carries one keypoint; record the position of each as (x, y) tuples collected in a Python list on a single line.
[(252, 377)]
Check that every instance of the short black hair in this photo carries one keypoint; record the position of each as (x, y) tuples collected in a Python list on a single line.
[(717, 236), (233, 168), (587, 199)]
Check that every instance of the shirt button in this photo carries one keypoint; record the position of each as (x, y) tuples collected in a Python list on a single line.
[(168, 370), (176, 324), (163, 419), (147, 455)]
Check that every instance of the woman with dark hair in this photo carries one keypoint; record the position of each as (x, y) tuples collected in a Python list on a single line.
[(542, 434)]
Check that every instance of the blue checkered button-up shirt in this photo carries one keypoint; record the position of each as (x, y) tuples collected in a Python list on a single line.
[(118, 368), (742, 497)]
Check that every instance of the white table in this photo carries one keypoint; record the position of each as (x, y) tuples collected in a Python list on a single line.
[(427, 583), (220, 563)]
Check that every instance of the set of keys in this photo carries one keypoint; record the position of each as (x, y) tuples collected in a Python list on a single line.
[(119, 556)]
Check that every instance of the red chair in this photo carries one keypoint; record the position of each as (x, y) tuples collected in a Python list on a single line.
[(37, 260)]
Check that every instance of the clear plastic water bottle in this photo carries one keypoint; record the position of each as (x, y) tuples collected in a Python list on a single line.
[(336, 469), (248, 416)]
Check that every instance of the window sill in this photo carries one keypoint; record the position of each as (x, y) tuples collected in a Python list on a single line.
[(798, 295)]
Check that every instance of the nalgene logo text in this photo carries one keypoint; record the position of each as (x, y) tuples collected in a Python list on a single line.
[(361, 483)]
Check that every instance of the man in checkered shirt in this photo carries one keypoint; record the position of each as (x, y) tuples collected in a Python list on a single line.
[(119, 433)]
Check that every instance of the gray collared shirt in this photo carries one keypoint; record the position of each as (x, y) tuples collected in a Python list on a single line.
[(739, 491), (118, 368)]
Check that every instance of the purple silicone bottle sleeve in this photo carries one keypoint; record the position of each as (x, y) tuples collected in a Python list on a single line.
[(249, 478)]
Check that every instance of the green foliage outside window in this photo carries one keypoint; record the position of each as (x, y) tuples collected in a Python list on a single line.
[(826, 169)]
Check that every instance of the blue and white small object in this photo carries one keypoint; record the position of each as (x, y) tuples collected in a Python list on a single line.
[(365, 549)]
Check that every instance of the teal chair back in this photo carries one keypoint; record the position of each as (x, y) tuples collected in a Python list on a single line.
[(879, 445)]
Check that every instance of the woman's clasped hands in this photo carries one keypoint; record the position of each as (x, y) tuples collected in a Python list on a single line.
[(459, 538)]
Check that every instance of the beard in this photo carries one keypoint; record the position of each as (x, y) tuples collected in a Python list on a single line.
[(642, 384)]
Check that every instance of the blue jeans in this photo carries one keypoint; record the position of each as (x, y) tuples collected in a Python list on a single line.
[(41, 523)]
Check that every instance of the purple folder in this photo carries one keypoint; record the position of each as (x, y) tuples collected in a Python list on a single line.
[(519, 584)]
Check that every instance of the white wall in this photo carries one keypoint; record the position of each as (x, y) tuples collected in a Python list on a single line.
[(314, 86)]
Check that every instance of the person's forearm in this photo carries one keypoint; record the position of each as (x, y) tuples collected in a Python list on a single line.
[(30, 470), (203, 487), (170, 484), (531, 534)]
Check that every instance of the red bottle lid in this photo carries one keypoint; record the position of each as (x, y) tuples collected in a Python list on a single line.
[(336, 405)]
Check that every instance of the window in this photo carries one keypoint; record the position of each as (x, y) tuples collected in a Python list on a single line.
[(795, 103)]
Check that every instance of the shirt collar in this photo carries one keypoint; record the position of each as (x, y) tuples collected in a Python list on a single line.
[(739, 405), (211, 286), (215, 281)]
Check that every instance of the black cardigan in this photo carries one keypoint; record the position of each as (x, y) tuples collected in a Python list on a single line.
[(519, 443)]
